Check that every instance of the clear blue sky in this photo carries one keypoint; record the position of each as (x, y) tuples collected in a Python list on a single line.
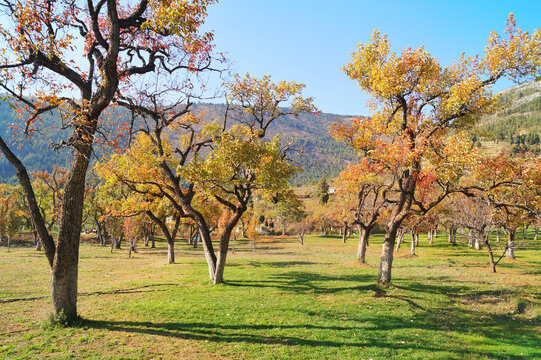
[(308, 41)]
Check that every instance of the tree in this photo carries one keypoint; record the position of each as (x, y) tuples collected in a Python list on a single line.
[(55, 49), (11, 214), (288, 209), (510, 188), (219, 161), (241, 164), (304, 226), (369, 187), (323, 191), (418, 109), (49, 191)]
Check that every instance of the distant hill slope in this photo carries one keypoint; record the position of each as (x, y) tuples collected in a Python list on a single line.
[(519, 122), (315, 151), (516, 127), (35, 153)]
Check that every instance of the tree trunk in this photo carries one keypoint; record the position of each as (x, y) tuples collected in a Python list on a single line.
[(386, 265), (35, 237), (345, 233), (208, 248), (102, 233), (477, 243), (417, 239), (470, 238), (65, 268), (524, 232), (38, 245), (430, 237), (535, 237), (497, 233), (449, 235), (9, 242), (491, 257), (224, 244), (511, 245), (190, 237), (400, 240), (146, 237), (243, 229), (118, 242), (363, 241), (413, 241)]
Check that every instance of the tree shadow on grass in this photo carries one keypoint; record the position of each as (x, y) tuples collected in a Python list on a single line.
[(298, 281), (133, 290), (382, 331), (283, 264), (456, 291)]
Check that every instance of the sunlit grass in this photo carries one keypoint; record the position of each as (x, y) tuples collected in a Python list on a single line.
[(285, 301)]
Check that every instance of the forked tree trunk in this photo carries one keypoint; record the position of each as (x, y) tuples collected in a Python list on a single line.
[(510, 245), (224, 245)]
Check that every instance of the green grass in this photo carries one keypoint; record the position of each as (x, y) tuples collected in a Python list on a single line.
[(285, 301)]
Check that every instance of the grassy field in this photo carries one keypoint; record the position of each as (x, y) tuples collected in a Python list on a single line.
[(285, 301)]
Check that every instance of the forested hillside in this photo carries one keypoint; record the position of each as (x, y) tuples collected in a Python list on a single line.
[(313, 149), (36, 153), (519, 122), (517, 126)]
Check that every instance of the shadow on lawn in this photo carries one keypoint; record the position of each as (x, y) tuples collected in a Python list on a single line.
[(373, 331), (298, 281), (283, 264), (134, 290)]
